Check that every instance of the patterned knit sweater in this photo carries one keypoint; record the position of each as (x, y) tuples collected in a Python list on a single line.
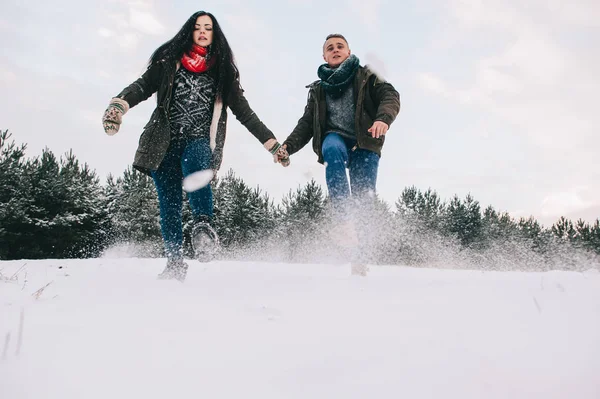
[(191, 108)]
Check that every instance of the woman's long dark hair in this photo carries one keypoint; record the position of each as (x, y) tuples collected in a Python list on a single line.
[(225, 68)]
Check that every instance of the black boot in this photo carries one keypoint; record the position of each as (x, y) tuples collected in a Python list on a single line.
[(205, 241), (175, 269)]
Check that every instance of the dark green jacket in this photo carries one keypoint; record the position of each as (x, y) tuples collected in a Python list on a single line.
[(375, 99), (156, 136)]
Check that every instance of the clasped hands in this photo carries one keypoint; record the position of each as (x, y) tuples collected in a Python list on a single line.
[(280, 154)]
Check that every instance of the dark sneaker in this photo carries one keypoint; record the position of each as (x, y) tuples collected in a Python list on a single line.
[(176, 269), (205, 242)]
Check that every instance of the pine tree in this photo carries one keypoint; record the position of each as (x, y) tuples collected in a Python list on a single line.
[(301, 219), (425, 209), (242, 215), (593, 240), (86, 217), (305, 206), (14, 201), (303, 209), (133, 210), (418, 222), (497, 228), (463, 220), (585, 235), (563, 229), (534, 234), (62, 213)]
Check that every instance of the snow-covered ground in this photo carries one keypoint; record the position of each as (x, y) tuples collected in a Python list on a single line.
[(106, 328)]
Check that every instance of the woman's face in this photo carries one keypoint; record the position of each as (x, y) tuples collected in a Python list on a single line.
[(203, 31)]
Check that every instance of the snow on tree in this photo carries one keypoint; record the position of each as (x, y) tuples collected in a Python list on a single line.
[(132, 207)]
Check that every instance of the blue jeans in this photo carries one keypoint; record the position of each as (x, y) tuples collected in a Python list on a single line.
[(182, 158), (362, 164)]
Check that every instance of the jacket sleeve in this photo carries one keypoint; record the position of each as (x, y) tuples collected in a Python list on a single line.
[(246, 116), (144, 87), (388, 100), (303, 131)]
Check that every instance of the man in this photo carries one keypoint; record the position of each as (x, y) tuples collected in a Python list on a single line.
[(348, 114)]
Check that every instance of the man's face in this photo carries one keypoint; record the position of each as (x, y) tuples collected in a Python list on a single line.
[(335, 51)]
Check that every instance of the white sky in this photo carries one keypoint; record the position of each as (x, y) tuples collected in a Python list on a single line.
[(499, 98)]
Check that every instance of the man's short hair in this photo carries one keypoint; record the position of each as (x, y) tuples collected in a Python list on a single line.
[(338, 35)]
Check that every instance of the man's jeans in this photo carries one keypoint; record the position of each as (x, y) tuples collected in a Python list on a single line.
[(182, 158), (362, 164)]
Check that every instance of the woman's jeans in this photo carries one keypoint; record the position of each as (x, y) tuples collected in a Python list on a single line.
[(182, 158)]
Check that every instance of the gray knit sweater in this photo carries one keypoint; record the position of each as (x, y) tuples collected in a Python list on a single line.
[(340, 114)]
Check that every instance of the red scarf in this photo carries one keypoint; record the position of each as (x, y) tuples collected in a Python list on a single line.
[(195, 60)]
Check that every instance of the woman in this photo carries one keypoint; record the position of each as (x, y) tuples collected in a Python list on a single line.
[(196, 79)]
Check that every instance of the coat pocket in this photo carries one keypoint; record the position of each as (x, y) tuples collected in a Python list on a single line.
[(144, 141), (150, 133)]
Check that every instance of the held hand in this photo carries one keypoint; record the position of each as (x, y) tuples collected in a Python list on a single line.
[(283, 156), (280, 154), (378, 129), (113, 116)]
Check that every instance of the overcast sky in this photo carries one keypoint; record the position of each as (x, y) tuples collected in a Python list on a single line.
[(499, 97)]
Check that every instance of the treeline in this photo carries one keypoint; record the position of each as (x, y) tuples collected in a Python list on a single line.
[(57, 208)]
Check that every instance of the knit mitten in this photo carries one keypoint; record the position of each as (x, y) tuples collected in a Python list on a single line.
[(279, 153), (113, 116)]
